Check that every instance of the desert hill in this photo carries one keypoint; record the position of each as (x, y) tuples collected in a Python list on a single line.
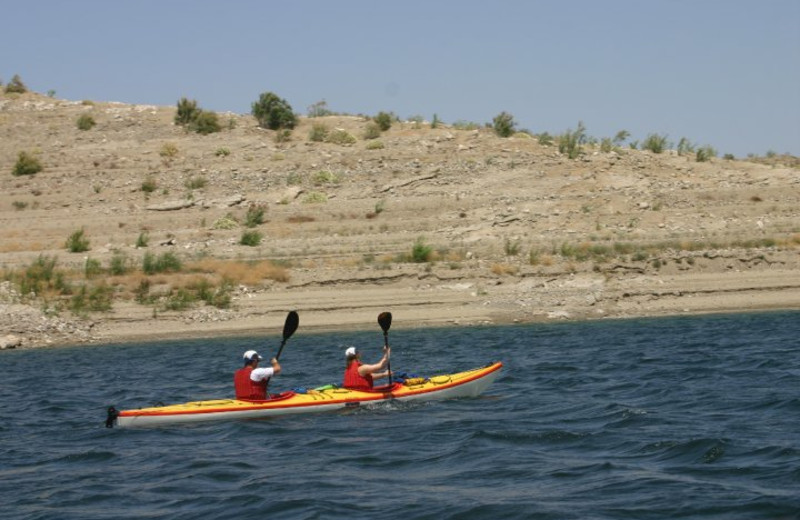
[(439, 225)]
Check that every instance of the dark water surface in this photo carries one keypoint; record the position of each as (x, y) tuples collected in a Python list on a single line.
[(661, 418)]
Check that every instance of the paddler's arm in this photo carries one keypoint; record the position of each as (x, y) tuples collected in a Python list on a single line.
[(371, 369)]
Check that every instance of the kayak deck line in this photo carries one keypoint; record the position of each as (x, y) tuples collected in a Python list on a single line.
[(469, 383)]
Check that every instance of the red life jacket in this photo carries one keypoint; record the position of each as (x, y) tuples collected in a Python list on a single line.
[(354, 380), (246, 388)]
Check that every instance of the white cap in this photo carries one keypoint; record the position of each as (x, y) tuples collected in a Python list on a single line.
[(251, 354), (351, 351)]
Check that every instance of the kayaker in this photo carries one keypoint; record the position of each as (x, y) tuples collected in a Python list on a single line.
[(250, 381), (357, 375)]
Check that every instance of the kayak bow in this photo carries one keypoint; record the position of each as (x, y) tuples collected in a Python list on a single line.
[(470, 383)]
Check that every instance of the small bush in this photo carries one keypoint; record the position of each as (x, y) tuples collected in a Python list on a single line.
[(255, 215), (318, 133), (375, 145), (196, 183), (222, 152), (606, 145), (163, 263), (77, 242), (384, 120), (149, 185), (250, 238), (372, 131), (341, 137), (118, 265), (27, 164), (504, 125), (168, 151), (685, 147), (142, 240), (656, 143), (420, 251), (187, 112), (273, 112), (85, 122), (319, 109), (19, 205), (705, 153), (436, 122), (96, 299), (315, 197), (511, 248), (570, 142), (729, 157), (545, 139), (621, 137), (324, 177), (16, 86), (205, 123)]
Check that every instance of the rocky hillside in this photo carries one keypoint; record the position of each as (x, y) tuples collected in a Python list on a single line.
[(501, 228)]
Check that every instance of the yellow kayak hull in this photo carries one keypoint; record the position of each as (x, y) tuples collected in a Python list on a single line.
[(470, 383)]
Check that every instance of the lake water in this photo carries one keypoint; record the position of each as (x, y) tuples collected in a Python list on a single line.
[(691, 417)]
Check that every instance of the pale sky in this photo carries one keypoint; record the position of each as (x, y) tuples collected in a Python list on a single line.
[(720, 72)]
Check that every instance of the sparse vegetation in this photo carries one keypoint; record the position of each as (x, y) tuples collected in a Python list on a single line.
[(342, 137), (705, 153), (27, 164), (375, 145), (205, 123), (16, 86), (142, 240), (655, 143), (503, 124), (250, 238), (196, 183), (420, 251), (372, 130), (187, 112), (85, 122), (255, 215), (315, 197), (222, 152), (319, 109), (163, 263), (149, 185), (570, 142), (318, 133), (77, 242), (384, 120)]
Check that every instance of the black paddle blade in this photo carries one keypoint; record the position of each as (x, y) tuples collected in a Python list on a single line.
[(292, 321), (385, 321)]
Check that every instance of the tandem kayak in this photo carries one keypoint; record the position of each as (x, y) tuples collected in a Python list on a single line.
[(470, 383)]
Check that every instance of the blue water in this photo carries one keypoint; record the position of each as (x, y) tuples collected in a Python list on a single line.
[(695, 417)]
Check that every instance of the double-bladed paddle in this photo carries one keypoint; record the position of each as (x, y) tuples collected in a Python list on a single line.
[(385, 321)]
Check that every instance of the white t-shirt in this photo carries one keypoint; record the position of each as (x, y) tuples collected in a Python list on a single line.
[(260, 374)]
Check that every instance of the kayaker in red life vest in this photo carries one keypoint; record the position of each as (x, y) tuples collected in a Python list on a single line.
[(357, 375), (250, 381)]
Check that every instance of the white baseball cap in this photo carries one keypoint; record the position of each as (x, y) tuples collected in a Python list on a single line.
[(351, 351), (251, 354)]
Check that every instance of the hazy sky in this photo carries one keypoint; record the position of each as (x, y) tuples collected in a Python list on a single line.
[(719, 72)]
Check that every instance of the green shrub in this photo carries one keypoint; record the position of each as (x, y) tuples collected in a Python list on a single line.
[(384, 120), (324, 177), (118, 265), (77, 242), (205, 123), (283, 136), (503, 124), (375, 145), (96, 299), (570, 142), (149, 185), (16, 86), (179, 300), (372, 130), (163, 263), (420, 251), (705, 153), (318, 133), (606, 145), (656, 143), (545, 139), (621, 136), (85, 122), (187, 112), (92, 267), (685, 146), (27, 164), (222, 152), (435, 122), (511, 248), (729, 157), (273, 112), (250, 238), (255, 215), (142, 240)]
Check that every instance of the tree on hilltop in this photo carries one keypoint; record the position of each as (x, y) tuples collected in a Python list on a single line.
[(273, 112)]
